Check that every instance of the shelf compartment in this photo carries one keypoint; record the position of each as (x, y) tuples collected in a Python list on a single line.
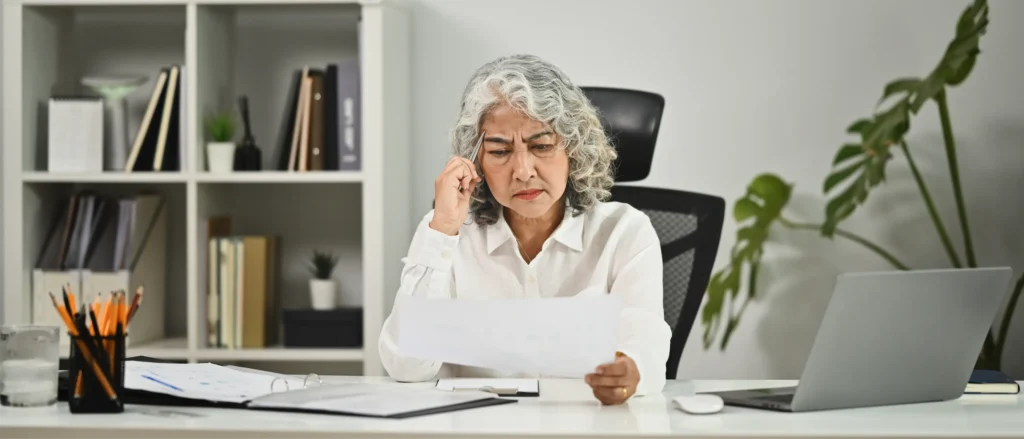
[(253, 49), (301, 217), (46, 202), (63, 43)]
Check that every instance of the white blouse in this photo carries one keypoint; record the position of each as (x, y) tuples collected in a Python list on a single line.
[(613, 247)]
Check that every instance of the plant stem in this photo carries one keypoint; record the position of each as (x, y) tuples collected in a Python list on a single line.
[(1007, 316), (954, 173), (939, 226), (853, 237)]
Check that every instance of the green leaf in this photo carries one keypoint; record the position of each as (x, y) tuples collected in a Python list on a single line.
[(961, 73), (862, 166), (729, 329), (889, 128), (847, 151), (902, 85), (744, 209), (860, 126), (773, 191), (842, 174), (962, 52), (929, 89), (755, 213)]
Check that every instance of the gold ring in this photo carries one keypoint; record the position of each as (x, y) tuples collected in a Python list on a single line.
[(625, 392)]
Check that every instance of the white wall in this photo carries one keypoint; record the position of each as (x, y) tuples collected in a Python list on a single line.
[(755, 86)]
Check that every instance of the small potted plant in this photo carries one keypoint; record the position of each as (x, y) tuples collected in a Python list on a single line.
[(322, 288), (220, 150)]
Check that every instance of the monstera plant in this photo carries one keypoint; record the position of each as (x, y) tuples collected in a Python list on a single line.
[(858, 168)]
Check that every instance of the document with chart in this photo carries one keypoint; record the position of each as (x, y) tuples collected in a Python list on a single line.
[(563, 336)]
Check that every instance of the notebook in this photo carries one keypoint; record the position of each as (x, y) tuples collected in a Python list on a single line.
[(212, 385), (991, 382)]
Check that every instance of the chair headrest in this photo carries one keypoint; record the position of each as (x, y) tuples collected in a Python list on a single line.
[(631, 119)]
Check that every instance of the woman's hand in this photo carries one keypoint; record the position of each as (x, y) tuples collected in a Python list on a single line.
[(451, 205), (615, 382)]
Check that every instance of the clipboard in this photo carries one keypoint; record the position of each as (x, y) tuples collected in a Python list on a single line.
[(508, 387), (391, 401)]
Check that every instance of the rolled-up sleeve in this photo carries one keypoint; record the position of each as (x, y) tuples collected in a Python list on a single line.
[(643, 334), (427, 273)]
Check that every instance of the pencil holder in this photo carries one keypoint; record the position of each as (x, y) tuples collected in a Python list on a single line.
[(96, 374)]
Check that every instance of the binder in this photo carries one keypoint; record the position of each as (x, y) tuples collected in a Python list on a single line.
[(98, 245), (143, 264), (313, 396)]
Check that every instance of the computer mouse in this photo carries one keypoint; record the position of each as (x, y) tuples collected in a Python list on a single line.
[(700, 404)]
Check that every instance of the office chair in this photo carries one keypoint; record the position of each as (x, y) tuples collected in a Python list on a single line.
[(688, 224)]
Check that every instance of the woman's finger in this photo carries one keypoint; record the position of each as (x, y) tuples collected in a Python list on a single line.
[(595, 380), (467, 185), (470, 165), (611, 395), (460, 169), (618, 368)]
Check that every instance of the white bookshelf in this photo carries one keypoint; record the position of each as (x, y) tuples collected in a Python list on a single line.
[(228, 48)]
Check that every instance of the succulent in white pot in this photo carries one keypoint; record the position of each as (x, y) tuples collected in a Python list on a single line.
[(220, 150), (323, 289)]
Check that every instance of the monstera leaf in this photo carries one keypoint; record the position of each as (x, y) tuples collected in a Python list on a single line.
[(859, 167), (954, 67), (754, 213)]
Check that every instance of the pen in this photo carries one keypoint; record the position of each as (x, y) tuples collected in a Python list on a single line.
[(163, 383), (476, 150), (472, 157)]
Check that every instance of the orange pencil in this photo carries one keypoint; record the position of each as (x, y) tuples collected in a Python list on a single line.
[(71, 297), (81, 346)]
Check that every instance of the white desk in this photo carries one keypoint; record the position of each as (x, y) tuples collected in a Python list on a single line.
[(565, 409)]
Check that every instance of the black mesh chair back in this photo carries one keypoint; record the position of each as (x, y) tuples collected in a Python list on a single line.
[(688, 224)]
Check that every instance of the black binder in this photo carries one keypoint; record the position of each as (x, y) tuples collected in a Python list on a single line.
[(151, 398)]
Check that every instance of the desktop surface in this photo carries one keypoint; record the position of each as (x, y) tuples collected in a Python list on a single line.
[(565, 409)]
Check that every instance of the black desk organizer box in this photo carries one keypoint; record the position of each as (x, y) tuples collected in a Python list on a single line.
[(334, 328)]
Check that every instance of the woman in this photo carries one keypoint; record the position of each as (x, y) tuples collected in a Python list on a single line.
[(529, 219)]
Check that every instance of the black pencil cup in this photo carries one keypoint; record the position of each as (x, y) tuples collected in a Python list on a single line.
[(96, 374)]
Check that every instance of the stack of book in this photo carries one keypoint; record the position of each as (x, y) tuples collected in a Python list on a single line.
[(158, 141), (242, 309), (320, 130)]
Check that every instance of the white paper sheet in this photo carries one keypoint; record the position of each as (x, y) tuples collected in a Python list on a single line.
[(564, 336), (524, 385)]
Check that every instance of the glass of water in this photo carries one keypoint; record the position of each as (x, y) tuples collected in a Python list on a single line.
[(29, 356)]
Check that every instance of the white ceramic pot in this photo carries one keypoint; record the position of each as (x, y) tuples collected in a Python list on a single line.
[(220, 156), (323, 293)]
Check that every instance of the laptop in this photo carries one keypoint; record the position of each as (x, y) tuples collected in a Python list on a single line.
[(892, 338)]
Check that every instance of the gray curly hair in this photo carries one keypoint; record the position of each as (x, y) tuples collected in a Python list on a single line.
[(544, 93)]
